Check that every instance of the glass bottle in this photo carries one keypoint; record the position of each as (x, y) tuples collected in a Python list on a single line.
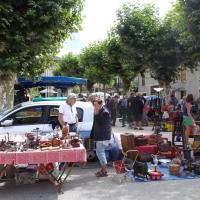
[(66, 131)]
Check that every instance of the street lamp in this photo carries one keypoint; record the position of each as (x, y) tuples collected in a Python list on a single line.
[(157, 119), (158, 90)]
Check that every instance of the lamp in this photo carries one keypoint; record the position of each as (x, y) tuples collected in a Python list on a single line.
[(158, 89), (157, 124)]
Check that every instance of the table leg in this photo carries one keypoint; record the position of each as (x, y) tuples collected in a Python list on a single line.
[(3, 171), (65, 178), (50, 176), (63, 169), (58, 181)]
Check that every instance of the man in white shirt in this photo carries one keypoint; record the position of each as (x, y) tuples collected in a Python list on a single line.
[(68, 114)]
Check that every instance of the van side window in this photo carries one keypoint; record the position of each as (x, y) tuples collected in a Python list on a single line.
[(79, 114), (28, 116), (54, 110), (53, 114)]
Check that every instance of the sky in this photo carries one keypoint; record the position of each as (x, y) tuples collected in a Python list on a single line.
[(99, 16)]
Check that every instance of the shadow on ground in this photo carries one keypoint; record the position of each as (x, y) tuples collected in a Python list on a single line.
[(41, 190)]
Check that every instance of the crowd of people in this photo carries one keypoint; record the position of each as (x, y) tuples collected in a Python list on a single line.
[(132, 110), (135, 109)]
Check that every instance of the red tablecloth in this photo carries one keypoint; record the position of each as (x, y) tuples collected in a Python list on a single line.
[(38, 156), (152, 149)]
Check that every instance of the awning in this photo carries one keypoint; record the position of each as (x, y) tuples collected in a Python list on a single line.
[(57, 81)]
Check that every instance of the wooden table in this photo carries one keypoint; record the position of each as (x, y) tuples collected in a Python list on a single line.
[(66, 156)]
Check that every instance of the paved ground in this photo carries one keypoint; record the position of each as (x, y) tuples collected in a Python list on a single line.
[(83, 185)]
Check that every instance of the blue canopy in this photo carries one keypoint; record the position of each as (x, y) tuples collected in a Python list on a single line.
[(57, 81)]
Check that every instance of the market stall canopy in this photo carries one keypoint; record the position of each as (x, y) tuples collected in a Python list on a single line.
[(57, 81)]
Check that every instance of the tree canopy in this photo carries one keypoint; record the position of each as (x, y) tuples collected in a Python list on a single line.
[(191, 37), (96, 62), (118, 62), (69, 65), (151, 44), (140, 41), (32, 31), (137, 28)]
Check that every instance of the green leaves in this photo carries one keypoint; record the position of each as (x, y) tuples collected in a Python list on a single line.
[(137, 28), (141, 41), (32, 31), (158, 46), (191, 36), (69, 65), (96, 62)]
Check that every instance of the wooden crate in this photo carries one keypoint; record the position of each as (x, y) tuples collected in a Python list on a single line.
[(127, 141)]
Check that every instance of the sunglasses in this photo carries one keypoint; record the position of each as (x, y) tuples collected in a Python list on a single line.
[(97, 102)]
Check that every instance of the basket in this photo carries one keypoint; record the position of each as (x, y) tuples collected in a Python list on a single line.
[(174, 169), (119, 166)]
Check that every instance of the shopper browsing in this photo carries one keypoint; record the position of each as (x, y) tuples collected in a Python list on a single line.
[(101, 133)]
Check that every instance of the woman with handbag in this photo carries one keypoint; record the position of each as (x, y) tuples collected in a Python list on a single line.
[(101, 133), (188, 120)]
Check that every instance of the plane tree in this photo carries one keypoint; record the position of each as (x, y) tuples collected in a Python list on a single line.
[(31, 34)]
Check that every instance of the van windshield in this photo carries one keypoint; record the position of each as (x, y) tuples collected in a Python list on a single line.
[(10, 110)]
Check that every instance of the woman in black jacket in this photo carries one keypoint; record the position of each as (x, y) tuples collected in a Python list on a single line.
[(101, 133)]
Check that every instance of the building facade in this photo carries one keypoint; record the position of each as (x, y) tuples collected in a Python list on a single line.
[(187, 83)]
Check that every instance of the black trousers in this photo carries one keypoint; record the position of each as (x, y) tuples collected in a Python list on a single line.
[(72, 127), (113, 117), (124, 116)]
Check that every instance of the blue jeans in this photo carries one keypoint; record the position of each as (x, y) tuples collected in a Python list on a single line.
[(101, 146)]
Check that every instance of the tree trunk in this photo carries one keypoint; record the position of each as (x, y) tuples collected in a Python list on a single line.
[(81, 88), (7, 91), (104, 91)]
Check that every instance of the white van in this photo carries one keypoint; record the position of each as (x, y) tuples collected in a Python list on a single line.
[(43, 115)]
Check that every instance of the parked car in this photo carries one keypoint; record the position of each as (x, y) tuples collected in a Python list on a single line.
[(28, 116)]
